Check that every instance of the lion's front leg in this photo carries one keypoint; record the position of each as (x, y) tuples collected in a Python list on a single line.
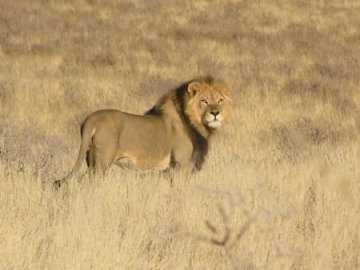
[(181, 158)]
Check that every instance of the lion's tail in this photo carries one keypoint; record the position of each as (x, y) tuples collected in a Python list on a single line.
[(87, 131)]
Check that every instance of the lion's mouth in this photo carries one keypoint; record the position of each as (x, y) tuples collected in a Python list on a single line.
[(213, 120), (214, 123)]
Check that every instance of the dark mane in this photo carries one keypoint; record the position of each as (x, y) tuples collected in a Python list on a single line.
[(200, 143), (156, 111)]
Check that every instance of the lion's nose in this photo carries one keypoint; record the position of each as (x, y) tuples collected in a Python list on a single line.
[(215, 113)]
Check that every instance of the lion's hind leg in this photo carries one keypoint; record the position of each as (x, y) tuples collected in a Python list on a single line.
[(91, 161), (102, 159)]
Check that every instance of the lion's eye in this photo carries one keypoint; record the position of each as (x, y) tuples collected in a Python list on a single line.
[(204, 102), (221, 100)]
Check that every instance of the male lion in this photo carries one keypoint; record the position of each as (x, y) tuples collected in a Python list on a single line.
[(174, 132)]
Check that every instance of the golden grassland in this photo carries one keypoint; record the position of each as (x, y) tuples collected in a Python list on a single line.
[(280, 188)]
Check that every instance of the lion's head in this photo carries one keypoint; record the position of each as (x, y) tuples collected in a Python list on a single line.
[(208, 105)]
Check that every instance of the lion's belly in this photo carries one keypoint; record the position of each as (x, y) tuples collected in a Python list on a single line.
[(135, 161), (145, 148)]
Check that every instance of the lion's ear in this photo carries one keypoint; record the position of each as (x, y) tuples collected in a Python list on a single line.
[(194, 88), (225, 89)]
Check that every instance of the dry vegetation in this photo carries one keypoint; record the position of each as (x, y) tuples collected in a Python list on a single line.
[(280, 188)]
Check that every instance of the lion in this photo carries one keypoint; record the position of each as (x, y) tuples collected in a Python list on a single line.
[(173, 133)]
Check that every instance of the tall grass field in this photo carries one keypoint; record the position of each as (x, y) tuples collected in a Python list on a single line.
[(280, 187)]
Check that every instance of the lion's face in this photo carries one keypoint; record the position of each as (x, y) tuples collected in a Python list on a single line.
[(209, 104)]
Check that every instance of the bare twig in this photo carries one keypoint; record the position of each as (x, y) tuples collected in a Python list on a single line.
[(227, 237)]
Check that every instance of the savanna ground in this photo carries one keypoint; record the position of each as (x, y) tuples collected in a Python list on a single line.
[(281, 180)]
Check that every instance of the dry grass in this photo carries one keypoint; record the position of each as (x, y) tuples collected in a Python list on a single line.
[(284, 174)]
